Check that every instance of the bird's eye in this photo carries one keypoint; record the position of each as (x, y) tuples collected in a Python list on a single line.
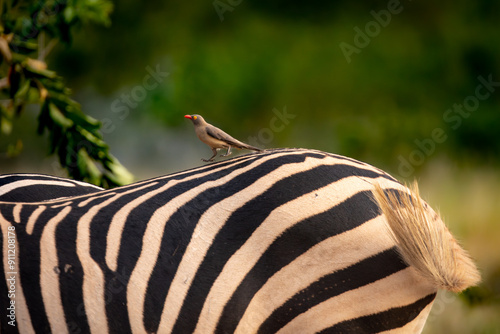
[(194, 117)]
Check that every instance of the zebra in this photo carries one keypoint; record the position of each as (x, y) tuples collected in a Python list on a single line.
[(38, 187), (282, 241)]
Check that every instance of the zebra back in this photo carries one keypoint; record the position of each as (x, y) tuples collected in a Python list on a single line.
[(287, 241), (38, 187)]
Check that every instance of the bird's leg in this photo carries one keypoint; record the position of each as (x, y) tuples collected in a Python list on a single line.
[(214, 151), (227, 153)]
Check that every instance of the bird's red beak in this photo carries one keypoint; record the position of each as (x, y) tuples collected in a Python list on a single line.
[(188, 116)]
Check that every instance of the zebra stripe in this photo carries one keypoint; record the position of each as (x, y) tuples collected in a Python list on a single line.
[(24, 321), (37, 187), (283, 241)]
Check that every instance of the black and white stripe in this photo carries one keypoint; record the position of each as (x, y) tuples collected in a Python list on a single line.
[(38, 187), (286, 241)]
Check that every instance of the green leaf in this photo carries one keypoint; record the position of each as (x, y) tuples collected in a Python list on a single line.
[(55, 85), (5, 125), (63, 101), (88, 167), (82, 120), (23, 90), (96, 11), (22, 47), (69, 14), (92, 138), (119, 175), (58, 117), (39, 73), (6, 117), (33, 96)]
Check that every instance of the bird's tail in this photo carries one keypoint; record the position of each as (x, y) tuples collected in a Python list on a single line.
[(248, 147), (253, 148), (424, 241)]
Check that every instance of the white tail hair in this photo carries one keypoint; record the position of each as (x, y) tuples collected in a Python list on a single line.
[(424, 242)]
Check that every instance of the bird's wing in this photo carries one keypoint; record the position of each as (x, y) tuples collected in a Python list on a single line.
[(216, 133)]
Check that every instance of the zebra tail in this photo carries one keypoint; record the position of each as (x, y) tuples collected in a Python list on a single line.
[(424, 241)]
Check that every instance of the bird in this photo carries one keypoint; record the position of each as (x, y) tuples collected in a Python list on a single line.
[(215, 138)]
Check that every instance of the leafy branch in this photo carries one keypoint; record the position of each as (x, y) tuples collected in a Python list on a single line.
[(28, 32)]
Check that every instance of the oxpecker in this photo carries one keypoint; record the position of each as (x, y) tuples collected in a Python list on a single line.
[(216, 138)]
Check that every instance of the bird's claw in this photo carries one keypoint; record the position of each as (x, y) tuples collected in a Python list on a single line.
[(207, 160), (227, 153)]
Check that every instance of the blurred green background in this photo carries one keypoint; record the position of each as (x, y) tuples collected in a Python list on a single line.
[(412, 87)]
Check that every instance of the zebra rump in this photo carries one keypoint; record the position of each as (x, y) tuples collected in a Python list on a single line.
[(282, 241)]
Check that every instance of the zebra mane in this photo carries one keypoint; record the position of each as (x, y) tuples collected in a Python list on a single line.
[(424, 241)]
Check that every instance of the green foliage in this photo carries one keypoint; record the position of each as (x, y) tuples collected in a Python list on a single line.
[(31, 29)]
